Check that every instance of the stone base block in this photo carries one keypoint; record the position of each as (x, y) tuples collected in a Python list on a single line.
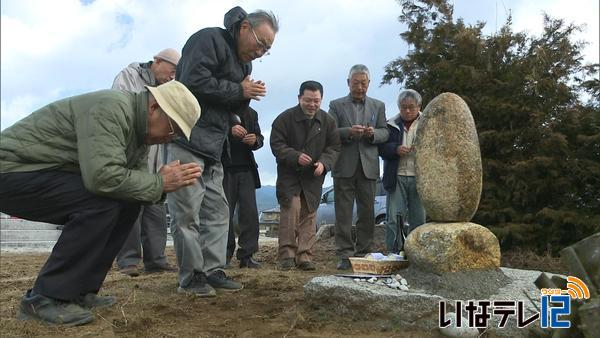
[(452, 247)]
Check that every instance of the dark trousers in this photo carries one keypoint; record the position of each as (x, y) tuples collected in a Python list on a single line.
[(94, 229), (240, 189), (347, 190), (149, 234)]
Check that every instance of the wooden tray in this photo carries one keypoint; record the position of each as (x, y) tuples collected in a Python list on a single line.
[(383, 267)]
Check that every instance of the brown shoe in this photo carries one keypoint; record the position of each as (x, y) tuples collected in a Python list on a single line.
[(287, 264), (307, 266), (130, 270)]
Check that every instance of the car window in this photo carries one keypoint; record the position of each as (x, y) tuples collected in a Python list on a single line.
[(379, 191), (330, 197)]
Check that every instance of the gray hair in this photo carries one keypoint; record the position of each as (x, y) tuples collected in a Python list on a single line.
[(409, 94), (259, 16), (359, 69)]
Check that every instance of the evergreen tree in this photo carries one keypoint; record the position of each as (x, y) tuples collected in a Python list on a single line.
[(539, 135)]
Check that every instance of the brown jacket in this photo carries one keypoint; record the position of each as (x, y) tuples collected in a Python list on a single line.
[(290, 138)]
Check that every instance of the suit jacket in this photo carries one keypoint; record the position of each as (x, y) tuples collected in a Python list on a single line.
[(290, 138), (342, 110)]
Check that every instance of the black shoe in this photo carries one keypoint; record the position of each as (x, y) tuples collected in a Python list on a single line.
[(287, 264), (307, 266), (249, 262), (130, 270), (343, 264), (198, 286), (92, 300), (161, 268), (219, 280), (52, 311)]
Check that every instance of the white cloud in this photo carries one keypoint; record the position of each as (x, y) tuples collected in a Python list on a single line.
[(528, 16), (53, 49)]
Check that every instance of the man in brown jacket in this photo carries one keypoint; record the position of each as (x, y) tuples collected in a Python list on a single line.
[(306, 144)]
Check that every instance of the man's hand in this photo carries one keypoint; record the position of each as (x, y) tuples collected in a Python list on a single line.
[(253, 89), (249, 139), (319, 168), (304, 160), (357, 131), (369, 132), (403, 150), (238, 131), (176, 175)]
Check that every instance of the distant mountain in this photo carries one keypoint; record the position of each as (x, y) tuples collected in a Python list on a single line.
[(266, 198)]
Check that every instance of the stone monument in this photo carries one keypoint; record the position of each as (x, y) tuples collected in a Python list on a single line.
[(449, 181)]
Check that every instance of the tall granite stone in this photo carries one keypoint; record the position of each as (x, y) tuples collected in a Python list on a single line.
[(452, 247), (448, 160)]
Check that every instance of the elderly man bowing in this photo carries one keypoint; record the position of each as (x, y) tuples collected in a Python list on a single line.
[(81, 162)]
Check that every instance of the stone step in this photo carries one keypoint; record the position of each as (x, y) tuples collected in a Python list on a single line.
[(29, 235), (34, 235), (43, 246), (22, 224)]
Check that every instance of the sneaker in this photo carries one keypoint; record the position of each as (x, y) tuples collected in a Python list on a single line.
[(130, 270), (160, 268), (198, 286), (219, 280), (307, 266), (249, 262), (343, 264), (52, 311), (92, 300), (287, 264)]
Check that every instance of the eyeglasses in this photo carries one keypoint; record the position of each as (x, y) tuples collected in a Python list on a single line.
[(260, 44), (411, 107), (172, 131)]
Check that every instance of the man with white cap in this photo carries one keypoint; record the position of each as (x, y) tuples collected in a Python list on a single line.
[(149, 233), (81, 162)]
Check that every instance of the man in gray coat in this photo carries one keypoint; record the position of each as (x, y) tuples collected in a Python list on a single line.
[(362, 125), (150, 229)]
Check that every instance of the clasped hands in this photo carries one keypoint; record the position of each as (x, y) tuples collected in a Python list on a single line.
[(360, 131), (305, 160), (176, 175), (241, 133), (253, 89)]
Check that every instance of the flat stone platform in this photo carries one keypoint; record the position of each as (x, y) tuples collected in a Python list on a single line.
[(419, 306)]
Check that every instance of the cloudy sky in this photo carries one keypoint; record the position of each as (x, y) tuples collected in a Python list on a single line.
[(59, 48)]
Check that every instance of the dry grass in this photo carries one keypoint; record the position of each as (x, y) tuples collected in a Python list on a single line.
[(529, 260)]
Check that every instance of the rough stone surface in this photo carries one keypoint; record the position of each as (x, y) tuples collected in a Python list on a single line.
[(419, 306), (452, 247), (448, 160)]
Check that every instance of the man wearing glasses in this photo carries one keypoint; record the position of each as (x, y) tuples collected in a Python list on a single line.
[(403, 202), (149, 233), (81, 162), (215, 65), (361, 125)]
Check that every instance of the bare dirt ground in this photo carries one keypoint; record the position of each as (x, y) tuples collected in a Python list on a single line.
[(270, 305)]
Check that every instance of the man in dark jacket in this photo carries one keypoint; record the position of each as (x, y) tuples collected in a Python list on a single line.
[(306, 144), (405, 210), (240, 183), (215, 66), (81, 162)]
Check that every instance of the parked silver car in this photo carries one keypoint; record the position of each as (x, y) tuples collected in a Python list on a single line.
[(269, 219)]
